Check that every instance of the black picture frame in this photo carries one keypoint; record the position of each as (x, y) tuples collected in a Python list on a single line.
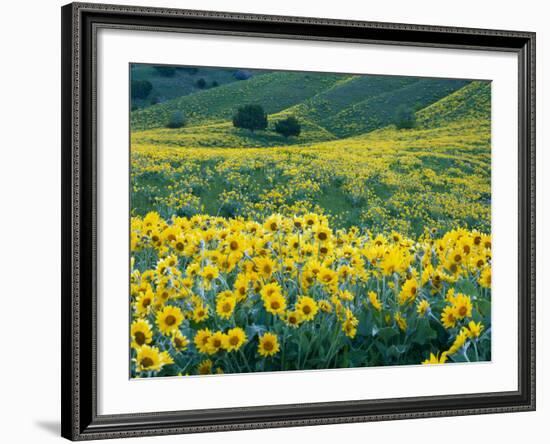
[(80, 420)]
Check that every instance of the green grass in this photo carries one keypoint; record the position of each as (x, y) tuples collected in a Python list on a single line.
[(438, 172), (182, 83), (379, 110), (274, 91), (223, 134), (470, 103)]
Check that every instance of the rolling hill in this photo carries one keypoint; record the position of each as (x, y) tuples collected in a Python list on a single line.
[(328, 105), (352, 162), (178, 81), (274, 91)]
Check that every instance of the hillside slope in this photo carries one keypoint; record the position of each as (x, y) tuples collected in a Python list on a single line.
[(346, 93), (379, 110), (472, 102), (274, 91), (181, 81)]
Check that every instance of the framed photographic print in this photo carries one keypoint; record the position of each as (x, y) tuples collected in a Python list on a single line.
[(279, 221)]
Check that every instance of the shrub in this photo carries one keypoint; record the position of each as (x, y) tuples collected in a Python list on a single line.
[(201, 83), (215, 84), (242, 74), (140, 89), (176, 120), (166, 71), (288, 127), (405, 118), (251, 117)]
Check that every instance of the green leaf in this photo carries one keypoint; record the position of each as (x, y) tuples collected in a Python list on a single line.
[(387, 333), (365, 324), (467, 287), (484, 307), (423, 333)]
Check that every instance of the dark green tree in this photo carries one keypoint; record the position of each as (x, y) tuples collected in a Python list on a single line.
[(251, 117), (288, 127), (242, 74), (176, 120), (140, 89), (201, 83), (405, 118)]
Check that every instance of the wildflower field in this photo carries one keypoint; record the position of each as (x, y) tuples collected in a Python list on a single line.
[(356, 241)]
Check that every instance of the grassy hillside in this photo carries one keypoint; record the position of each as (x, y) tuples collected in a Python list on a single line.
[(339, 105), (182, 82), (379, 110), (470, 103), (387, 180), (223, 134), (275, 92), (346, 93), (436, 175)]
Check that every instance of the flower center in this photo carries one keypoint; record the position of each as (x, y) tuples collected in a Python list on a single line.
[(234, 245), (233, 340), (268, 345), (306, 309), (322, 236), (139, 337), (170, 320), (146, 362)]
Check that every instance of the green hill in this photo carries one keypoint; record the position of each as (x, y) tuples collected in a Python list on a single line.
[(472, 102), (329, 107), (274, 91), (348, 92), (379, 110), (223, 134), (179, 82)]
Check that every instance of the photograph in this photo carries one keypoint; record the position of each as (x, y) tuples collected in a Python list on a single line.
[(299, 220)]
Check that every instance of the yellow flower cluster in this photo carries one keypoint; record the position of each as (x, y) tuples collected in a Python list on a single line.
[(378, 181), (211, 294)]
